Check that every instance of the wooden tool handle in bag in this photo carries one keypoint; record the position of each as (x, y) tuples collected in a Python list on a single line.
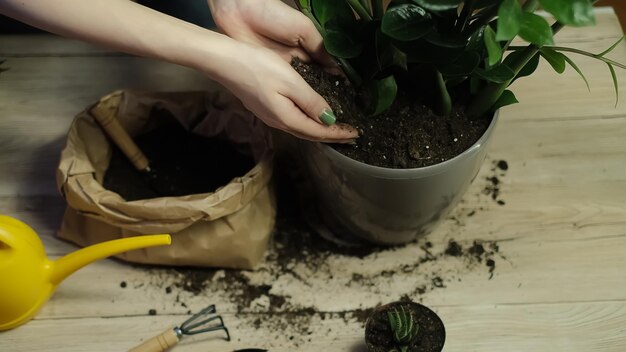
[(106, 118), (159, 343)]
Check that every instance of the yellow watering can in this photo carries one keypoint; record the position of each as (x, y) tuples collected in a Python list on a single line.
[(28, 278)]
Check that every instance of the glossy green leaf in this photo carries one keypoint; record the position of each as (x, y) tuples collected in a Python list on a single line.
[(554, 58), (445, 101), (447, 40), (528, 69), (577, 69), (571, 12), (535, 29), (406, 22), (463, 66), (509, 20), (497, 74), (486, 3), (387, 54), (507, 98), (333, 10), (494, 50), (341, 44), (383, 93), (438, 5), (615, 83), (475, 41)]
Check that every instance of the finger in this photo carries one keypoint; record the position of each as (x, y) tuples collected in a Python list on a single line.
[(310, 102), (287, 53), (300, 123)]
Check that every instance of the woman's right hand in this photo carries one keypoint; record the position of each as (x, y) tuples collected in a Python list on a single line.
[(271, 89)]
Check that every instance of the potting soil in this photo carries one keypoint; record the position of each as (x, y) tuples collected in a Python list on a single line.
[(183, 163), (407, 135)]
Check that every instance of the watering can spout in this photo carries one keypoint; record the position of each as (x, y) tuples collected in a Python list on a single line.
[(65, 266)]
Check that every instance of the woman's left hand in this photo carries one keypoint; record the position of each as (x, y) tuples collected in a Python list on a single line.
[(274, 25)]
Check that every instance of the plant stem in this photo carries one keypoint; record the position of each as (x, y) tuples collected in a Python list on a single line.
[(377, 8), (350, 72), (468, 9), (483, 18), (360, 10), (366, 5), (531, 5)]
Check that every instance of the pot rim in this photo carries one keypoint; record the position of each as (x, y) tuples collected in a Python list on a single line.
[(384, 172)]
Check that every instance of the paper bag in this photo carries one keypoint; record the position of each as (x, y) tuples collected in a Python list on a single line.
[(228, 228)]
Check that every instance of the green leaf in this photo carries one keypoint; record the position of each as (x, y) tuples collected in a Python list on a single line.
[(337, 11), (528, 69), (304, 4), (486, 3), (445, 101), (438, 5), (475, 41), (387, 54), (575, 67), (555, 58), (494, 49), (406, 22), (383, 93), (497, 74), (463, 66), (341, 44), (509, 20), (571, 12), (447, 40), (615, 83), (535, 29), (507, 98), (612, 46)]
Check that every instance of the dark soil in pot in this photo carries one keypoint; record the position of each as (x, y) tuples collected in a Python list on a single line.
[(183, 163), (430, 337), (407, 135)]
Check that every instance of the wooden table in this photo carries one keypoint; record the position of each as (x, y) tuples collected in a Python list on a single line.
[(559, 282)]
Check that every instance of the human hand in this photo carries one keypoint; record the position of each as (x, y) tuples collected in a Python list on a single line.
[(271, 89), (274, 25)]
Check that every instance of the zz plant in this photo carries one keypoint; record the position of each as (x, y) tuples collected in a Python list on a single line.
[(403, 326), (454, 53)]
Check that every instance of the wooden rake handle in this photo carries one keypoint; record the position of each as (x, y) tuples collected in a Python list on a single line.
[(104, 112), (160, 343)]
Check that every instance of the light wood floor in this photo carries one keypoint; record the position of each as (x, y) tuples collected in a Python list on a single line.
[(560, 277)]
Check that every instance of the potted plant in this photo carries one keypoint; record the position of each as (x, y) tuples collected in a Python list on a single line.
[(404, 326), (441, 68)]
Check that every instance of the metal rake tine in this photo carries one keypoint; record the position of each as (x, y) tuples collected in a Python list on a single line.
[(188, 329)]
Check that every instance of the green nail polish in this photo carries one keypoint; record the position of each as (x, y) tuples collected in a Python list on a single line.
[(328, 117)]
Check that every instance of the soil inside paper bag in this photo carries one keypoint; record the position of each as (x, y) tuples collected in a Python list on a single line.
[(183, 163)]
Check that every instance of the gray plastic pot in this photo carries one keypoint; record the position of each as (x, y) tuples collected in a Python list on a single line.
[(358, 201)]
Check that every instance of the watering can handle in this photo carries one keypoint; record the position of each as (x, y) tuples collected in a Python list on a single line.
[(160, 343)]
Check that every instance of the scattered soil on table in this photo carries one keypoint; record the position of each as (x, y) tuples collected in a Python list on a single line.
[(498, 169), (431, 334), (303, 273), (182, 163), (407, 135)]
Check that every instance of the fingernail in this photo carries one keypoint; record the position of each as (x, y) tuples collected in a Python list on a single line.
[(328, 117)]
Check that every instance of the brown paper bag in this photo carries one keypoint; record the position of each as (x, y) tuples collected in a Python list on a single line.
[(228, 228)]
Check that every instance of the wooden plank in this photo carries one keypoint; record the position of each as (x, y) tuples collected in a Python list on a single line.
[(582, 326)]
